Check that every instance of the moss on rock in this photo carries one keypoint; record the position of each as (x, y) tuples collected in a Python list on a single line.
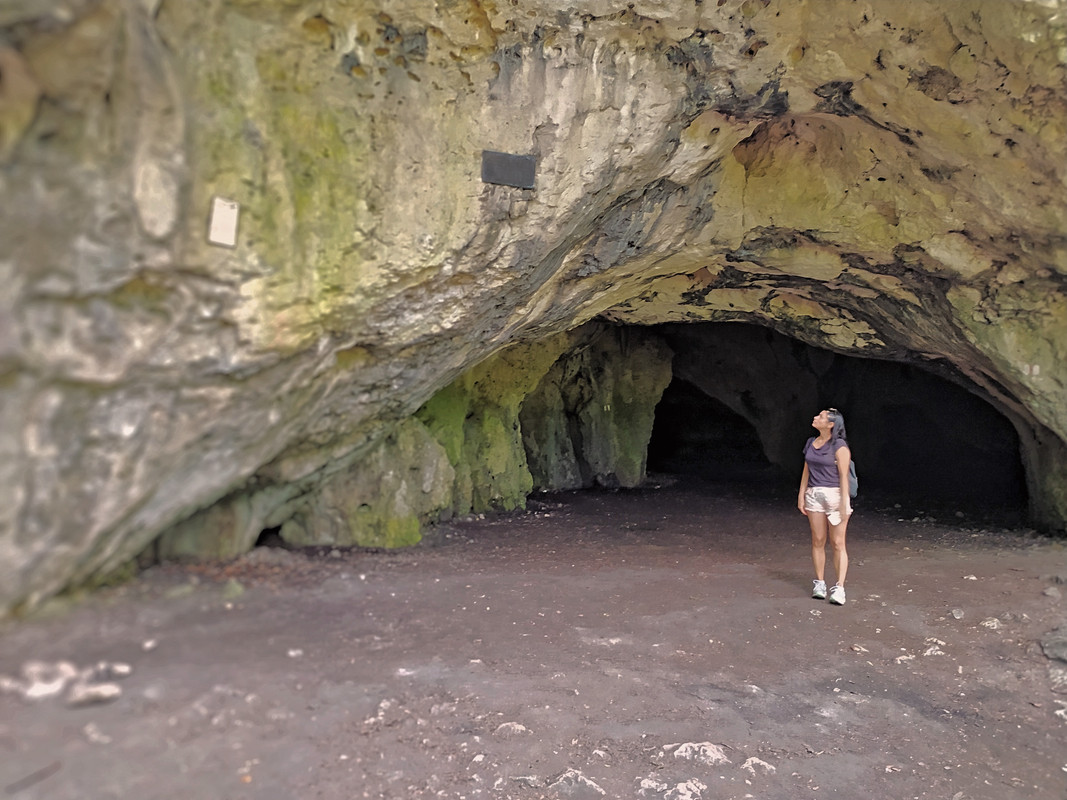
[(590, 419), (224, 530), (383, 498), (476, 420)]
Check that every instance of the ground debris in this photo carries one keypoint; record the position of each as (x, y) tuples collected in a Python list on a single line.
[(572, 783), (701, 752), (42, 680), (83, 694), (509, 729), (1054, 644), (933, 647), (752, 763)]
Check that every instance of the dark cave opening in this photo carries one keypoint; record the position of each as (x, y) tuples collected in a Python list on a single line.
[(270, 537), (919, 441), (694, 434)]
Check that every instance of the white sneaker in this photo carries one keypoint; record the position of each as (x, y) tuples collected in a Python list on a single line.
[(837, 595), (818, 591)]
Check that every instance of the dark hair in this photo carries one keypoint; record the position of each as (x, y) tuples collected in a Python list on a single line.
[(838, 419)]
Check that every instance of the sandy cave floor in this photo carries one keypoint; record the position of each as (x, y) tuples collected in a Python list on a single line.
[(651, 643)]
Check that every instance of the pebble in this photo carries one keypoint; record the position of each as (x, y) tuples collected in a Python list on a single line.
[(754, 762), (107, 671), (572, 783), (707, 753), (508, 729), (46, 680), (87, 694), (95, 735)]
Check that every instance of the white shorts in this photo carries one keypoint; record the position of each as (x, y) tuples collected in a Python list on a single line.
[(825, 500)]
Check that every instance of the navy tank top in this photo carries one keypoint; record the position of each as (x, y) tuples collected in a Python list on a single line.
[(822, 468)]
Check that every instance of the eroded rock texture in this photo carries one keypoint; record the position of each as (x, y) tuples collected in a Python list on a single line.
[(877, 178)]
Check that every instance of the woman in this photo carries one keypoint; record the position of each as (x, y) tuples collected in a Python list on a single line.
[(824, 499)]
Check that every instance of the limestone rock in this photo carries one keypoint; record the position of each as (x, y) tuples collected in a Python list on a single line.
[(19, 94), (383, 499), (1054, 645), (589, 420)]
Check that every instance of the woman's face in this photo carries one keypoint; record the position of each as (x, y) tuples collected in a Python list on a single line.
[(822, 421)]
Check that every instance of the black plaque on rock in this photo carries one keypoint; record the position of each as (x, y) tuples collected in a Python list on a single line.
[(508, 170)]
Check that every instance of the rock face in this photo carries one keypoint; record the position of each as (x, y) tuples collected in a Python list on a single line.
[(876, 178)]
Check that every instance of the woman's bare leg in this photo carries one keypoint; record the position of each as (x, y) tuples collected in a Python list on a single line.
[(818, 542), (840, 554)]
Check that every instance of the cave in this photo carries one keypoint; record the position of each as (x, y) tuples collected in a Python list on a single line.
[(922, 442), (413, 372)]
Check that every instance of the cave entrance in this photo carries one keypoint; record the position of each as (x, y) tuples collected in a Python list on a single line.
[(739, 410), (694, 434)]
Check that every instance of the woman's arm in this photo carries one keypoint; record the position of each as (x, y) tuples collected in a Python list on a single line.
[(803, 488), (843, 456)]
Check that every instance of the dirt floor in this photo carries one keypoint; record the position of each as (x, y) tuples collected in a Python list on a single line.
[(653, 643)]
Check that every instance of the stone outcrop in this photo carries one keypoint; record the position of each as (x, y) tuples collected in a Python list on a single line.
[(589, 420), (875, 178), (570, 411)]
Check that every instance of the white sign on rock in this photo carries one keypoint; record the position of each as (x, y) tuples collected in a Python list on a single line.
[(222, 228)]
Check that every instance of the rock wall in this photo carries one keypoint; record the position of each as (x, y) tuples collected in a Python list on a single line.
[(589, 420), (569, 411), (877, 178)]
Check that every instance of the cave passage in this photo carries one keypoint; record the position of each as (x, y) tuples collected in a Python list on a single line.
[(918, 440), (694, 434)]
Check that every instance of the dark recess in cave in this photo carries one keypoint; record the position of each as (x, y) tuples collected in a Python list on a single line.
[(270, 537), (694, 434), (918, 440)]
